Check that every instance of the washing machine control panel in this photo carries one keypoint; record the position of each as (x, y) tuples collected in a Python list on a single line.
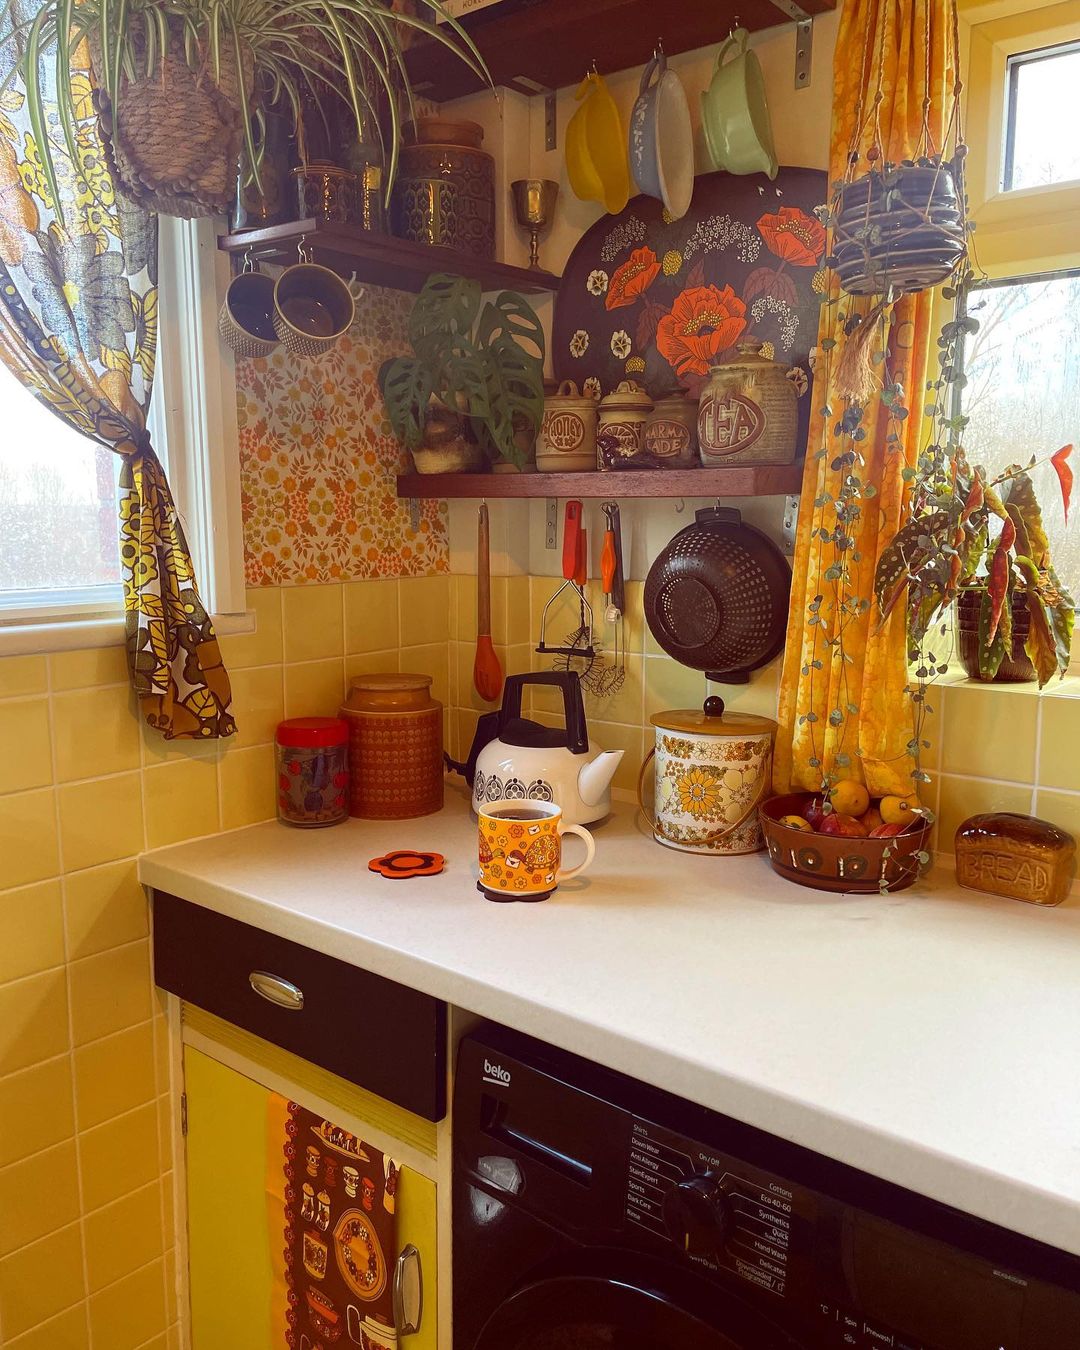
[(720, 1212)]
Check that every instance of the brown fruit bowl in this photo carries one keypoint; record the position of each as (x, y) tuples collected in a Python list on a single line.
[(835, 862)]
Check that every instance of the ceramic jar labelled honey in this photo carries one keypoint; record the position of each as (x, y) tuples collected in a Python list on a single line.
[(566, 441), (747, 411), (395, 747)]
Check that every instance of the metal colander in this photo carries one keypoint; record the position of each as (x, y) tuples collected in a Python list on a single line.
[(716, 599)]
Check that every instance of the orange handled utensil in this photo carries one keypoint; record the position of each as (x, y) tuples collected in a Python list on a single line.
[(487, 669)]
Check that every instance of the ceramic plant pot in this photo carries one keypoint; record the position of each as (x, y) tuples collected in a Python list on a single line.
[(566, 442), (448, 447), (735, 114), (1016, 667), (445, 188), (671, 432), (662, 139), (748, 411), (623, 414)]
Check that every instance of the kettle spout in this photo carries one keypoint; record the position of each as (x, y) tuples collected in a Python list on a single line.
[(595, 777)]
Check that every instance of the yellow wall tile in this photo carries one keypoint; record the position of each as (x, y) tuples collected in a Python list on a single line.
[(66, 1332), (181, 801), (37, 1109), (41, 1280), (32, 923), (517, 622), (37, 1196), (989, 733), (963, 797), (24, 734), (258, 704), (110, 992), (264, 646), (114, 1075), (97, 732), (20, 675), (463, 607), (758, 695), (96, 665), (669, 685), (124, 1236), (119, 1157), (372, 663), (28, 844), (425, 610), (247, 787), (433, 661), (104, 907), (1059, 743), (371, 616), (621, 705), (101, 820), (632, 741), (129, 1312), (314, 689), (313, 622), (1059, 808), (33, 1020)]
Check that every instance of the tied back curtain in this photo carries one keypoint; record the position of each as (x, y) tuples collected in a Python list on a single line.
[(78, 328), (891, 55)]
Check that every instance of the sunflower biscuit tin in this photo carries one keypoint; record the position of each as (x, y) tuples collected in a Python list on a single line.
[(712, 769)]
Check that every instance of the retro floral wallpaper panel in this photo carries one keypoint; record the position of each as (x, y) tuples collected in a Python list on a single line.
[(659, 301), (318, 462)]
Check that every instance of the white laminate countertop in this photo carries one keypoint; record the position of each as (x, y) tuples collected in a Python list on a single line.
[(931, 1037)]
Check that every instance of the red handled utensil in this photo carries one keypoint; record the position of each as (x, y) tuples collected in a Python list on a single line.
[(487, 669)]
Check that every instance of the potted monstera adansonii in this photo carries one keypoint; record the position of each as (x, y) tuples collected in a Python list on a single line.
[(473, 389), (980, 543)]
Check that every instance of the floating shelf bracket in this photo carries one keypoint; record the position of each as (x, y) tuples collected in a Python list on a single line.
[(524, 85), (790, 523), (804, 39)]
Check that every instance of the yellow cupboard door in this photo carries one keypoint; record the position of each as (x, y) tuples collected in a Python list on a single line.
[(233, 1247)]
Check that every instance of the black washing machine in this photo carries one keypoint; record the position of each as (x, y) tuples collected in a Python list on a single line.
[(592, 1212)]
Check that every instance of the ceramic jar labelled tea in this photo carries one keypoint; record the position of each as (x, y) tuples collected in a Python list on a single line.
[(747, 411)]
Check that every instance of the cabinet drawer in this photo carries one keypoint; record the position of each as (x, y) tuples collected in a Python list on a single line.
[(378, 1034)]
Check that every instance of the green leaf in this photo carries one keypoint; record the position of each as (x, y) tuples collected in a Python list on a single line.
[(448, 305), (406, 388), (992, 653), (1018, 497)]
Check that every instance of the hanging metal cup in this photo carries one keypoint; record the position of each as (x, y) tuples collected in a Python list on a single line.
[(246, 319), (313, 307)]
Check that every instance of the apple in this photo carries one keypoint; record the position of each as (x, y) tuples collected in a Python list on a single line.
[(888, 830), (814, 812), (837, 823), (872, 819)]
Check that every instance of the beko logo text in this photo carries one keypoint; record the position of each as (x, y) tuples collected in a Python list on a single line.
[(495, 1073)]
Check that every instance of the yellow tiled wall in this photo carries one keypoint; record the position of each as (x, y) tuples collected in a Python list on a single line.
[(86, 1225)]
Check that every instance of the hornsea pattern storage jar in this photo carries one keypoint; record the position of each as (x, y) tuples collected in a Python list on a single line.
[(445, 188), (395, 747), (312, 771)]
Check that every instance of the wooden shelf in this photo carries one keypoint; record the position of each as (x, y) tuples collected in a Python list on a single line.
[(551, 43), (379, 259), (769, 480)]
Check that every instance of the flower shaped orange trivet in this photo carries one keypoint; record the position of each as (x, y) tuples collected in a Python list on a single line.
[(405, 862)]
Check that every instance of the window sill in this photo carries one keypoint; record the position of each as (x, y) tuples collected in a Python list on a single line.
[(32, 639), (1069, 687)]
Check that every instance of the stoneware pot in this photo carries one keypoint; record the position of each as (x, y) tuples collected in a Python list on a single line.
[(395, 747), (313, 307), (445, 187), (623, 414), (1016, 667), (662, 139), (735, 113), (747, 412), (447, 447), (566, 442), (246, 320), (671, 432), (712, 770)]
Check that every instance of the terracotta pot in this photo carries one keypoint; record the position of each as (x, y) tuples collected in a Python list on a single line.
[(747, 412), (445, 188), (395, 747), (1016, 667)]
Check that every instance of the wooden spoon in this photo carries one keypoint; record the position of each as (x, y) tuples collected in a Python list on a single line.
[(487, 671)]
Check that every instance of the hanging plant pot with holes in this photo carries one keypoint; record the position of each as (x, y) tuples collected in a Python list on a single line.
[(900, 228)]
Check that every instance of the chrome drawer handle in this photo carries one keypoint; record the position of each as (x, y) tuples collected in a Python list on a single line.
[(282, 993), (408, 1292)]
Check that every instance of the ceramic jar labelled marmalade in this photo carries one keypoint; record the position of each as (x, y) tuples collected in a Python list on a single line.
[(747, 411), (671, 432)]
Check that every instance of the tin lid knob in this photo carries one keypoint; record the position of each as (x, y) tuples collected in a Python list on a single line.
[(713, 706)]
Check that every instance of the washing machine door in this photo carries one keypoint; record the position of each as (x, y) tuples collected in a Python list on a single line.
[(612, 1312)]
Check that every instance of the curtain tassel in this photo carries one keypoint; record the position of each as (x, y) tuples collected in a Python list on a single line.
[(855, 377)]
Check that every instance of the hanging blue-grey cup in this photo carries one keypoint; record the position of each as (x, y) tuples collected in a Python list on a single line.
[(662, 139)]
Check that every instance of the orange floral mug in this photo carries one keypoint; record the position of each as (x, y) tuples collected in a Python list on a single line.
[(521, 849)]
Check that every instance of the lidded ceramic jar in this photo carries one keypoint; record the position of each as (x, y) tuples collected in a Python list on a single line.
[(444, 192), (712, 770), (395, 747), (623, 414), (747, 411), (671, 432), (566, 441)]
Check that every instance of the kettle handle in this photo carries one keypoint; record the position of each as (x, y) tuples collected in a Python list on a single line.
[(577, 739)]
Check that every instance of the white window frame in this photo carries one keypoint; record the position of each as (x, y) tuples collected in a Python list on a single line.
[(195, 407)]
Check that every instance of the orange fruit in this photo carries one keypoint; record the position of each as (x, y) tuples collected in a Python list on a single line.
[(898, 810), (849, 798), (797, 823)]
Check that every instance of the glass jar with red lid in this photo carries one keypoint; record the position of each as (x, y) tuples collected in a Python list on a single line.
[(312, 771)]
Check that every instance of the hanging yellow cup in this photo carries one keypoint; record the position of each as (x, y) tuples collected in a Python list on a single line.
[(596, 157)]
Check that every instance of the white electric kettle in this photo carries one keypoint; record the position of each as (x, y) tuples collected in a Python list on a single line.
[(513, 757)]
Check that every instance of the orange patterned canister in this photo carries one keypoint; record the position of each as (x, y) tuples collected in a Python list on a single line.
[(395, 747)]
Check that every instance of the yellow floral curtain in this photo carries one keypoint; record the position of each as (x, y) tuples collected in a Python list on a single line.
[(78, 327), (894, 64)]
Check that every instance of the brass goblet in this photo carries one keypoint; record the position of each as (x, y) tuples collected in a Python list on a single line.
[(534, 205)]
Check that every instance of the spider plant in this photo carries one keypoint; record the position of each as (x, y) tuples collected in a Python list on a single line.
[(274, 49)]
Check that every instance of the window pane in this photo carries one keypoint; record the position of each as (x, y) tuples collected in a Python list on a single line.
[(1023, 393), (1044, 111), (58, 515)]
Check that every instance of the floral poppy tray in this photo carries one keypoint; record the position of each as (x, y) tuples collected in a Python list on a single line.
[(659, 301)]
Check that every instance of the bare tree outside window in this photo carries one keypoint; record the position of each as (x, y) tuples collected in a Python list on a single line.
[(1042, 114)]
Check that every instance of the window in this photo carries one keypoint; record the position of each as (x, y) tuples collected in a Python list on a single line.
[(1023, 389), (1041, 116)]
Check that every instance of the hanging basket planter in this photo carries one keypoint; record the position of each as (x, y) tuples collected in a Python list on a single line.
[(175, 145), (900, 229)]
